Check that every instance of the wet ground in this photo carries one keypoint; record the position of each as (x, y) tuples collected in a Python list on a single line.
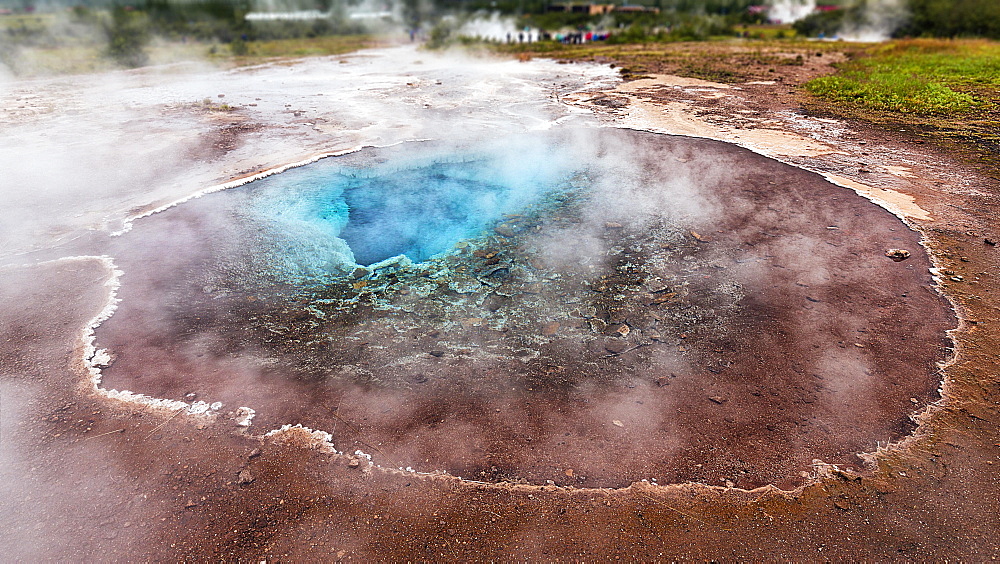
[(678, 324), (89, 477)]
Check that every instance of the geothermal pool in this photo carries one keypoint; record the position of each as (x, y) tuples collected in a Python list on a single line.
[(587, 307)]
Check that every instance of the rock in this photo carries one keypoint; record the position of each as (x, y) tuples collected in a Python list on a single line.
[(244, 417), (656, 286), (245, 477), (623, 330), (254, 453), (613, 225), (615, 346), (495, 302), (505, 229), (610, 102), (190, 504), (438, 354), (360, 272), (717, 399), (597, 325), (464, 284), (662, 298), (898, 255), (990, 242), (618, 423), (550, 329), (354, 463)]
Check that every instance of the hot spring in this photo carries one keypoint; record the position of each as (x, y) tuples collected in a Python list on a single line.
[(412, 204), (585, 307)]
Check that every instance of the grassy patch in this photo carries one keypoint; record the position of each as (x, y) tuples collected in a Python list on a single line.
[(946, 91), (923, 77), (91, 56), (306, 47), (728, 61)]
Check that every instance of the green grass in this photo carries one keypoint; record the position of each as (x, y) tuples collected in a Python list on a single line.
[(314, 46), (920, 77), (944, 91), (81, 57)]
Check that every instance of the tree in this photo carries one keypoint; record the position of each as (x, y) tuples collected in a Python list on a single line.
[(128, 36)]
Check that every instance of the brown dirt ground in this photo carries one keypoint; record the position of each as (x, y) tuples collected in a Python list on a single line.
[(88, 478)]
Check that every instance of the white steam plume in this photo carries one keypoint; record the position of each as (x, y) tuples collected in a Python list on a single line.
[(880, 18), (788, 11)]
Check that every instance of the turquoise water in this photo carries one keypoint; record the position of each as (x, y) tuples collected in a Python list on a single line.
[(331, 216)]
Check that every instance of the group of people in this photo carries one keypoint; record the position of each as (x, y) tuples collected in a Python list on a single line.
[(572, 38), (579, 37)]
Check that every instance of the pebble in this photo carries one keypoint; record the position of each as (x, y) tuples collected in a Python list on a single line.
[(597, 325), (505, 229), (245, 477), (898, 255)]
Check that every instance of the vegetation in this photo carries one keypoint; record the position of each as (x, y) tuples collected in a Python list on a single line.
[(923, 77), (946, 91), (128, 35), (729, 61), (952, 18), (919, 18), (87, 39)]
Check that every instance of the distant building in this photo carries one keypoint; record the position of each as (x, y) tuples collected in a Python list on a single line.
[(589, 9), (633, 9), (599, 9)]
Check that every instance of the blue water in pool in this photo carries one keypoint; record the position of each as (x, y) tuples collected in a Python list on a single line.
[(329, 217)]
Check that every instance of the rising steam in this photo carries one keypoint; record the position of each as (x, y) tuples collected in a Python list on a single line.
[(788, 11), (877, 21)]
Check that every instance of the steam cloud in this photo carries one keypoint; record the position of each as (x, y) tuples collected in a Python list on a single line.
[(788, 11), (878, 20)]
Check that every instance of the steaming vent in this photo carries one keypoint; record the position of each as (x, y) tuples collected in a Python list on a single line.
[(587, 307), (417, 210)]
